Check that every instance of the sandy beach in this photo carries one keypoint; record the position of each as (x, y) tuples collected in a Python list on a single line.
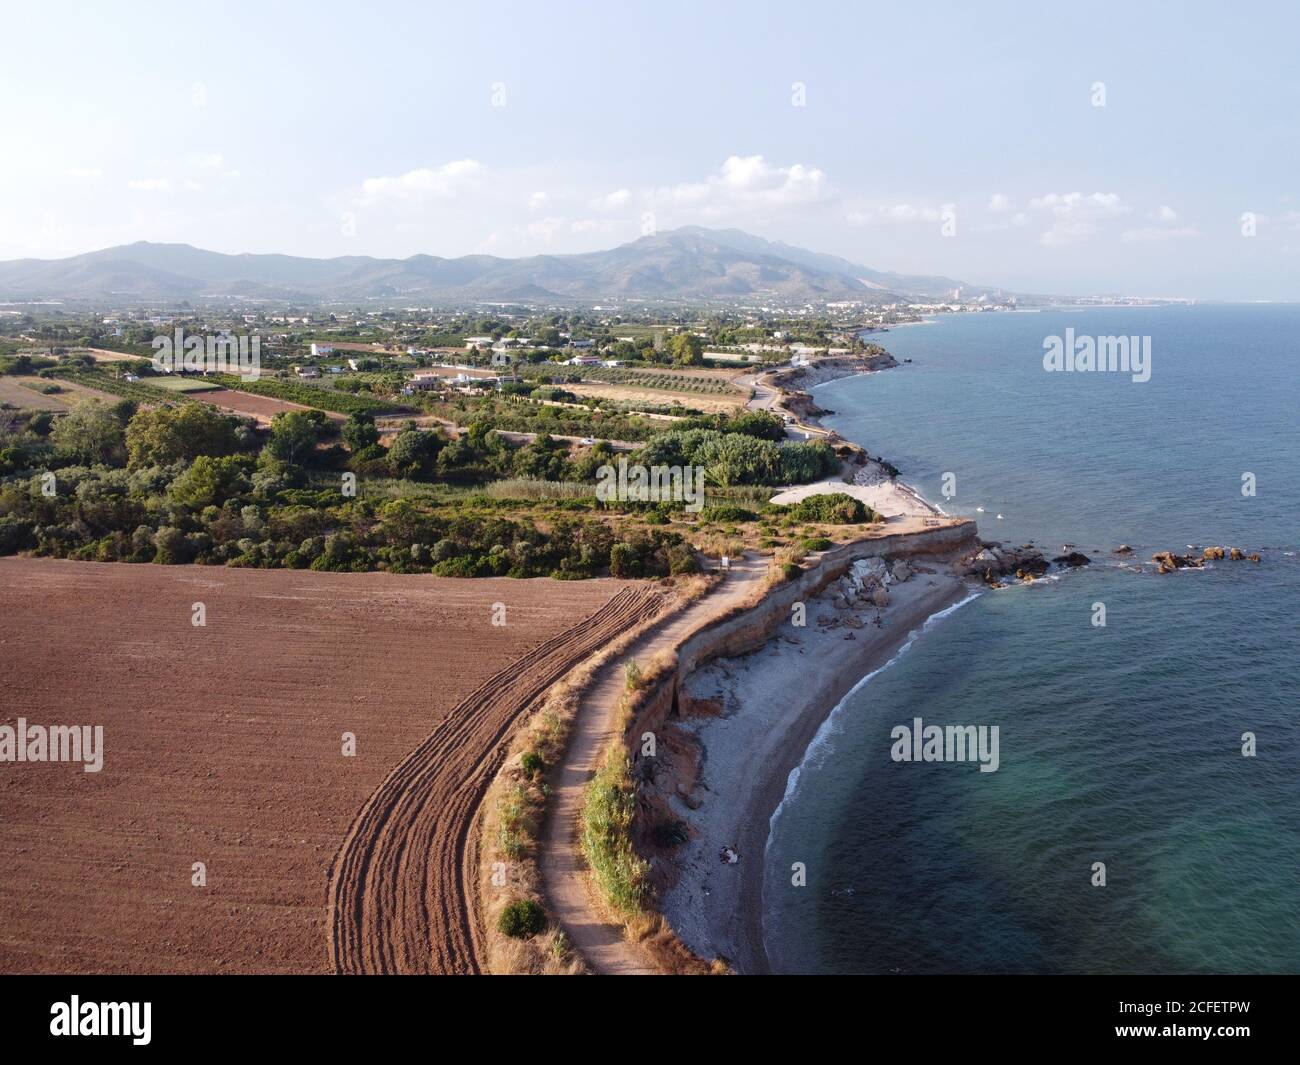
[(871, 484), (748, 721), (751, 720)]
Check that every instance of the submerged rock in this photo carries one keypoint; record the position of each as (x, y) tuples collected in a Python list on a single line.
[(1074, 558)]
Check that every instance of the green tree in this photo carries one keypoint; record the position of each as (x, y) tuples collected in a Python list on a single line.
[(294, 434), (413, 453), (89, 433), (687, 349), (359, 432), (165, 435), (734, 458), (209, 482)]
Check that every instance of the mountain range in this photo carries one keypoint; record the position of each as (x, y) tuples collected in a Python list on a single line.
[(687, 264)]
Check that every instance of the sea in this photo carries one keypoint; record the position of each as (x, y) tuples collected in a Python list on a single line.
[(1145, 813)]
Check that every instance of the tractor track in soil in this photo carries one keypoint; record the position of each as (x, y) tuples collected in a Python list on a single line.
[(403, 888)]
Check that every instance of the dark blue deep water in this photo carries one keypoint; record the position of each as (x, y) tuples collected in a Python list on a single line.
[(1121, 744)]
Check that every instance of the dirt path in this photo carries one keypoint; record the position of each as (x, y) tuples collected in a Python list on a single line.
[(403, 888), (599, 942)]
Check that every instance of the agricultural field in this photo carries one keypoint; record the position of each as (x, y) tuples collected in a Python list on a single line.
[(103, 385), (263, 408), (21, 392), (73, 391), (223, 744), (708, 403), (104, 355), (322, 397), (179, 384), (702, 382)]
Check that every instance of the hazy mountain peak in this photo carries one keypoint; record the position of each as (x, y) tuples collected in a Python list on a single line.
[(689, 263)]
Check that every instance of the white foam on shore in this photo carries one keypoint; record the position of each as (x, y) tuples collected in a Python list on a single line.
[(821, 741), (821, 744)]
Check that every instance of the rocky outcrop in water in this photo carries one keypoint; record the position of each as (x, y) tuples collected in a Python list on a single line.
[(995, 560), (1169, 562)]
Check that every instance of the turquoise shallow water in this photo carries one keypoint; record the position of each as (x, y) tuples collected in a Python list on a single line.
[(1119, 744)]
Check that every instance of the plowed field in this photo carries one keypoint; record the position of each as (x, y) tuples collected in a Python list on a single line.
[(223, 745)]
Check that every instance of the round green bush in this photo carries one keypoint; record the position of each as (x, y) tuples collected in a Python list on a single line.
[(522, 919), (727, 512)]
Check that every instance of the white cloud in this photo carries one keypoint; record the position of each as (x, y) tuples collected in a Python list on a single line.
[(85, 173), (441, 182), (1077, 204), (206, 162), (1165, 213), (1075, 215), (536, 200), (153, 184), (999, 203), (747, 183), (614, 201)]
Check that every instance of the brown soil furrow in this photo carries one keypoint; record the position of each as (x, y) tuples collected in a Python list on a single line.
[(401, 897)]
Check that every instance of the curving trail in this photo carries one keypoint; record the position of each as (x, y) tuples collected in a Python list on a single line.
[(403, 887), (601, 942)]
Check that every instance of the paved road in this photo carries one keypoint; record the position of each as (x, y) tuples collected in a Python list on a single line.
[(765, 397)]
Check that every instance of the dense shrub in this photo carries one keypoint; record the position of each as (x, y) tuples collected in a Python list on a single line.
[(682, 559), (623, 561), (623, 876), (837, 508), (801, 463), (727, 512), (522, 919)]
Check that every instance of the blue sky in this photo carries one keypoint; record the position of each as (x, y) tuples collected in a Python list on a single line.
[(391, 128)]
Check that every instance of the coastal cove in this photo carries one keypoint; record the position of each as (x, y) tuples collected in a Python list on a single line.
[(1120, 744)]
